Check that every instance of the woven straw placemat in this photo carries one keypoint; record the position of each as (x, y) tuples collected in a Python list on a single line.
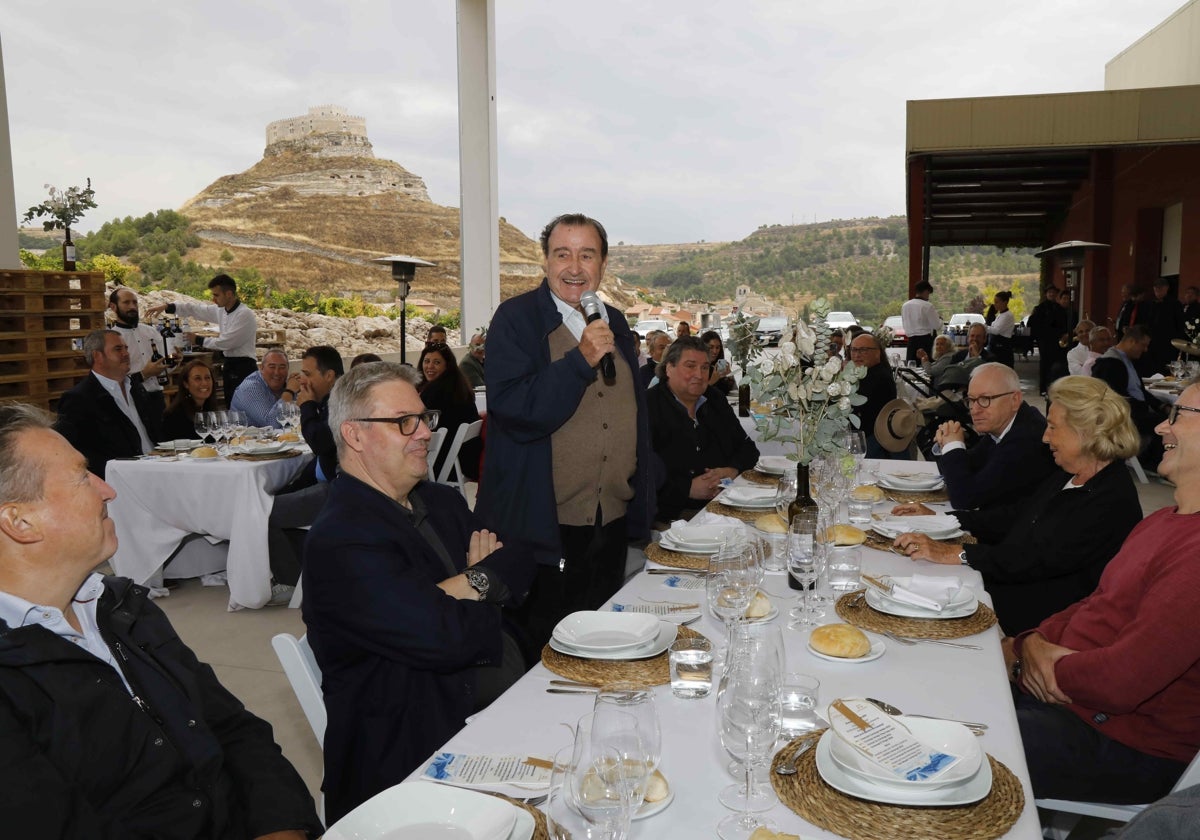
[(755, 477), (808, 795), (643, 672), (853, 608), (540, 830), (737, 513), (674, 559), (264, 456), (901, 497)]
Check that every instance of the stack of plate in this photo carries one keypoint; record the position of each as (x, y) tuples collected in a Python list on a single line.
[(775, 465), (939, 527), (261, 447), (697, 539), (967, 781), (423, 811), (912, 482), (963, 604), (748, 498), (612, 635)]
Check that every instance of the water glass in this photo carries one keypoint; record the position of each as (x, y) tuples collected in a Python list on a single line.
[(774, 550), (798, 703), (859, 510), (844, 566), (567, 818), (691, 668), (638, 701)]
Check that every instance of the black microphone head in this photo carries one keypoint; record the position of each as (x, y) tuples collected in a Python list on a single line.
[(591, 305)]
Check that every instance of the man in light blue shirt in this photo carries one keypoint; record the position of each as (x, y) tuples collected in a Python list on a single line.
[(259, 397)]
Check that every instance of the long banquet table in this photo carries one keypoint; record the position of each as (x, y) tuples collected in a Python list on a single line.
[(925, 678), (161, 501)]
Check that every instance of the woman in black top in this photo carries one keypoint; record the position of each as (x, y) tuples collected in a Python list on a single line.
[(446, 389), (195, 394), (721, 377)]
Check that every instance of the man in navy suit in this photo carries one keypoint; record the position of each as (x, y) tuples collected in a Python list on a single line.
[(1009, 457), (107, 415), (405, 596)]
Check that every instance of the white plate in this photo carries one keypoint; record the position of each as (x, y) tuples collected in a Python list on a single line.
[(883, 530), (747, 498), (666, 634), (670, 545), (934, 482), (704, 536), (524, 827), (973, 790), (940, 735), (603, 630), (252, 447), (877, 650), (775, 465), (421, 811), (961, 607), (183, 443), (649, 809)]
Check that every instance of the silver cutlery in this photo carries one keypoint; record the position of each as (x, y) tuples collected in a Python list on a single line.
[(573, 684), (910, 642), (571, 691), (888, 708), (676, 572), (788, 766)]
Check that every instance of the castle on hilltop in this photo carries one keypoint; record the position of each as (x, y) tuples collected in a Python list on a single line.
[(327, 129)]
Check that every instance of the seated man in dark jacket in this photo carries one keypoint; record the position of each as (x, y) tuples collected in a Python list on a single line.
[(696, 437), (1009, 459), (109, 726), (404, 594)]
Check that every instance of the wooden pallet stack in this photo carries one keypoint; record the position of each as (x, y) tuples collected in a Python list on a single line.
[(44, 317)]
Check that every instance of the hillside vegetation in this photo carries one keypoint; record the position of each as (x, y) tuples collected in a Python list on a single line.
[(861, 265)]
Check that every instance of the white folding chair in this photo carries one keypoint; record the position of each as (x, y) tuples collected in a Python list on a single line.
[(1136, 465), (435, 446), (466, 432), (300, 667), (1068, 812)]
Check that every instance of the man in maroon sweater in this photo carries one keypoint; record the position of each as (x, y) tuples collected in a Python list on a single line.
[(1109, 706)]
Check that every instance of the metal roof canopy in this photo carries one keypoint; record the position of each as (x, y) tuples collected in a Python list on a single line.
[(1002, 198)]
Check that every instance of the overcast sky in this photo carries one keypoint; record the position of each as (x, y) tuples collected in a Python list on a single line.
[(669, 120)]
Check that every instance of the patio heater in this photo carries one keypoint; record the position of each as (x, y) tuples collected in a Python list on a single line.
[(404, 268), (1069, 256)]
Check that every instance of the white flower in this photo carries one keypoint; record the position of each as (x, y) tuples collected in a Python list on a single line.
[(834, 390), (766, 365), (844, 403), (833, 366), (806, 339)]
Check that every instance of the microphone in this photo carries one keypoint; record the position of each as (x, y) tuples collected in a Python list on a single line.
[(592, 307)]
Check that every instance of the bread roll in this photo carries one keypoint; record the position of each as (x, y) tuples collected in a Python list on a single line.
[(867, 493), (288, 437), (771, 523), (204, 452), (764, 833), (844, 641), (846, 535), (759, 606), (657, 788)]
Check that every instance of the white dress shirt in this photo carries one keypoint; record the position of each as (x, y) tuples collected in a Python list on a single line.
[(142, 341), (1076, 357), (920, 317), (125, 402), (573, 319), (1003, 325), (238, 328)]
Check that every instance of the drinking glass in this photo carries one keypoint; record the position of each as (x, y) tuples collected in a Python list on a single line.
[(214, 425), (602, 816), (802, 563), (798, 703), (638, 701), (855, 443), (611, 768), (785, 494), (749, 720), (200, 424), (751, 640)]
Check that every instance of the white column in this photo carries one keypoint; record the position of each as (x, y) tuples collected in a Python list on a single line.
[(9, 253), (479, 216)]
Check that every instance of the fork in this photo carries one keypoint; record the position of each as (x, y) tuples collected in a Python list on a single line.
[(905, 641)]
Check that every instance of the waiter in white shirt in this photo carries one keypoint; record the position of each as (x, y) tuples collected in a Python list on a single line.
[(921, 321), (146, 357), (236, 323)]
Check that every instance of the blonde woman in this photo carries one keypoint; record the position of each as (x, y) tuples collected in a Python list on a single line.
[(1047, 551)]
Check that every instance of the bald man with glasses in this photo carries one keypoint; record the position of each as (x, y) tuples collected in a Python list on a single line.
[(406, 596), (1106, 691), (1009, 458)]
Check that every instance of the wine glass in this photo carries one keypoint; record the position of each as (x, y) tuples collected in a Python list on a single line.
[(200, 424), (785, 494), (611, 763), (751, 639), (214, 425), (749, 716), (638, 701), (855, 443), (802, 563), (580, 805)]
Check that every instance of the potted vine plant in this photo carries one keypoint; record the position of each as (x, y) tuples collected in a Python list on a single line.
[(65, 208)]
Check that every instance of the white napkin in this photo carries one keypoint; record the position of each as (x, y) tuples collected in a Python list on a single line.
[(747, 495), (931, 592), (938, 523), (1155, 378), (706, 517)]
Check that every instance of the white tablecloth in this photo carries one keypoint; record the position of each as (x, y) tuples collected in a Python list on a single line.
[(159, 503), (925, 679)]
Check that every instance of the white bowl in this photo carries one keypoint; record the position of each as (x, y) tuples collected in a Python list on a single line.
[(426, 811), (602, 630)]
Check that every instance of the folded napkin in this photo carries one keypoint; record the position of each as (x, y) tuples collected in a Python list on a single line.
[(705, 517), (931, 592), (747, 495), (938, 523)]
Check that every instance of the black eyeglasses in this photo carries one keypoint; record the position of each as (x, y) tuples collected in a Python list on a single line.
[(1173, 412), (984, 400), (406, 422)]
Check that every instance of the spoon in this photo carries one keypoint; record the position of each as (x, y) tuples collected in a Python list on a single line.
[(888, 708), (906, 641), (788, 766)]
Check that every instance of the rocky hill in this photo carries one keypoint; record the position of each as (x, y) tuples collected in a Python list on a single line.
[(319, 206)]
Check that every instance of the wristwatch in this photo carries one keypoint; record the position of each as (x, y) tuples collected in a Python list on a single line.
[(478, 581), (962, 558), (1015, 673)]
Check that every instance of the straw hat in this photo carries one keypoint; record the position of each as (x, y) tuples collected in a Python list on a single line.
[(897, 425)]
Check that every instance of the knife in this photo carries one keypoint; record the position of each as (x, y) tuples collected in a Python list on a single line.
[(571, 691), (879, 584), (676, 572)]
